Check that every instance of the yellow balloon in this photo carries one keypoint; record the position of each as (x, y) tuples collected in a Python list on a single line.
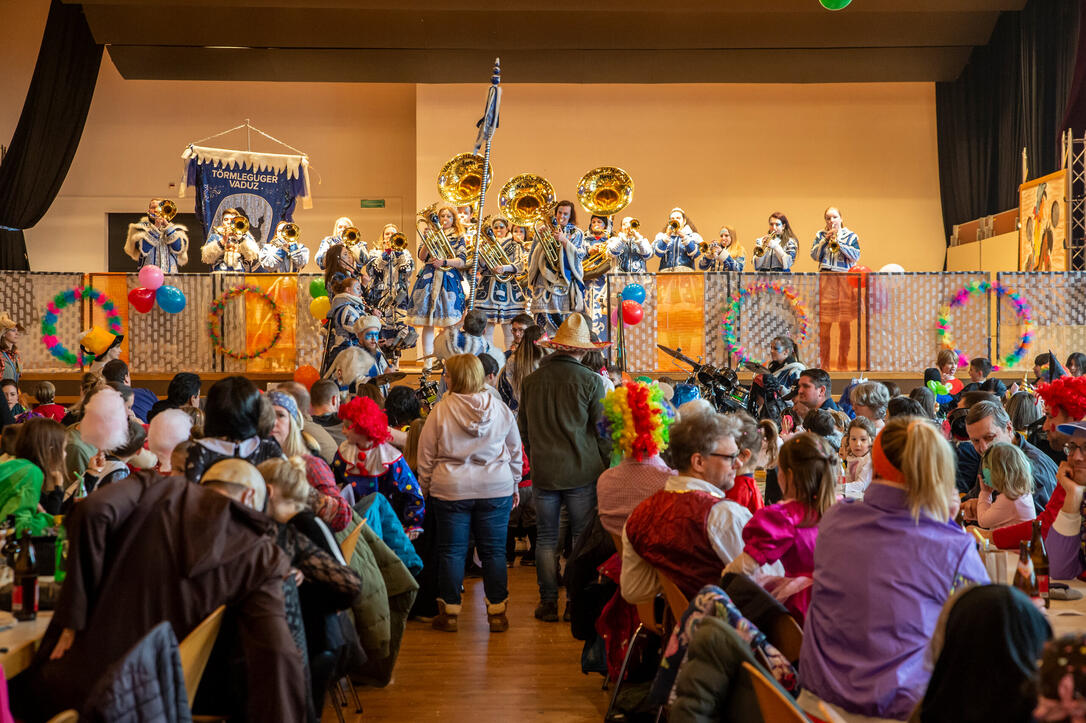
[(320, 307)]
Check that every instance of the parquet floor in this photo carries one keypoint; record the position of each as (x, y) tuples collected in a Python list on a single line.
[(530, 673)]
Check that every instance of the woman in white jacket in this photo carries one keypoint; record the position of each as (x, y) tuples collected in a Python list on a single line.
[(469, 464)]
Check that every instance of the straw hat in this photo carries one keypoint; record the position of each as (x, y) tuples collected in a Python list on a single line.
[(573, 335), (6, 322)]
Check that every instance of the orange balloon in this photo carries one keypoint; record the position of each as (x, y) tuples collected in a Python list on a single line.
[(306, 376)]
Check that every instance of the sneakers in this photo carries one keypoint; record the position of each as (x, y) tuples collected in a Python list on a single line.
[(547, 611), (446, 617), (495, 617)]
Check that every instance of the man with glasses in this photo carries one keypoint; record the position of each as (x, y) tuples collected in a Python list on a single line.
[(688, 531), (1064, 540)]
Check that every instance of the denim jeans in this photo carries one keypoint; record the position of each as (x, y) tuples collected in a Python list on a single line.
[(487, 520), (581, 503)]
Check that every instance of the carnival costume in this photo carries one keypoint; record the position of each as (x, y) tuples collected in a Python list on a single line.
[(677, 250), (838, 295), (240, 257), (732, 258), (501, 300), (148, 245), (556, 293), (437, 299), (284, 254), (771, 260), (391, 271), (346, 310), (631, 252)]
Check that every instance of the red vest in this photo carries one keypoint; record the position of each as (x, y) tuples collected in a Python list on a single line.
[(669, 531)]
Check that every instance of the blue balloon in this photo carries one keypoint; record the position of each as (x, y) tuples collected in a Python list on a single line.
[(634, 292), (170, 298), (684, 393)]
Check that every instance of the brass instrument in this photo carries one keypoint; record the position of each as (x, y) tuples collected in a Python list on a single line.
[(834, 245), (351, 236), (428, 227), (460, 180), (529, 200), (287, 232), (397, 241), (705, 247), (239, 226), (635, 224), (603, 191), (165, 209), (759, 248), (672, 227), (492, 253)]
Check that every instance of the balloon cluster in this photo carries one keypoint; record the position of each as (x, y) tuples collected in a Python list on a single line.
[(153, 288), (321, 304), (1022, 310), (940, 390), (633, 296)]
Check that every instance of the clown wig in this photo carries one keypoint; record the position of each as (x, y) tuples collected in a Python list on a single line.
[(636, 420), (363, 415), (1067, 394)]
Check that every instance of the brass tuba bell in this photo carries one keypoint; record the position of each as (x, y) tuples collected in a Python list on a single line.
[(397, 241), (605, 191), (528, 200), (460, 180)]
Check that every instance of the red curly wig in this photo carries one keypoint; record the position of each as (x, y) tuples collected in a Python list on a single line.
[(362, 415), (1066, 394)]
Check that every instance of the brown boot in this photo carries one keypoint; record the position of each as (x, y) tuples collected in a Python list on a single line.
[(495, 616), (446, 617)]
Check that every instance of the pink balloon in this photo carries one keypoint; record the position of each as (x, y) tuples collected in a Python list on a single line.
[(151, 277)]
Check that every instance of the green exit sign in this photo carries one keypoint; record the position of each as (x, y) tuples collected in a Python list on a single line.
[(373, 203)]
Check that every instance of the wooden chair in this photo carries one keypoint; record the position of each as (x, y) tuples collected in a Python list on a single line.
[(66, 716), (786, 636), (676, 601), (646, 610), (196, 649), (774, 705), (350, 542)]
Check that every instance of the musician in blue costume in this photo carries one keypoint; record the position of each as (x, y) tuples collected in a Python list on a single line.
[(342, 224), (558, 288), (227, 250), (501, 300), (724, 254), (677, 243), (630, 249), (284, 254), (348, 307), (776, 251), (438, 297), (836, 249), (390, 268), (596, 243), (156, 241)]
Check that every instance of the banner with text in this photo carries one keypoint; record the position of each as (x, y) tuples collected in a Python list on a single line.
[(264, 186)]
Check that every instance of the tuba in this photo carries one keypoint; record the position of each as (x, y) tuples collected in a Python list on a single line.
[(492, 253), (603, 191), (528, 200), (460, 180), (433, 237)]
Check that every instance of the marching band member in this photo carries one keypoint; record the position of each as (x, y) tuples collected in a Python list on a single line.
[(230, 247), (284, 254), (437, 299), (348, 307), (502, 301), (558, 290), (342, 224), (726, 254), (391, 270), (836, 249), (677, 242), (769, 253), (630, 249), (596, 243), (155, 240)]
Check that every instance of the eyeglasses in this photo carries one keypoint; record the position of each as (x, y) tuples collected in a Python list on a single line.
[(1071, 449), (730, 457)]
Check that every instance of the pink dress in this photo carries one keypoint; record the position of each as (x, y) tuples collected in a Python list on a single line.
[(774, 533)]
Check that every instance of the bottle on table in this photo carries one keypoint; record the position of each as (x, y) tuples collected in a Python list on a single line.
[(1024, 577), (1039, 558), (24, 594)]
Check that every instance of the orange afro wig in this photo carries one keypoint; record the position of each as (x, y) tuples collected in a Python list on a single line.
[(1066, 394)]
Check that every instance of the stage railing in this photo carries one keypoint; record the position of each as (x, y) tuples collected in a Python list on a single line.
[(892, 329)]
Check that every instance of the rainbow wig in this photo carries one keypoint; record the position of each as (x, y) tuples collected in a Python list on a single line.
[(636, 419), (363, 415)]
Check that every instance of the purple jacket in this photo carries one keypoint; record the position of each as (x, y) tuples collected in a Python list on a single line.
[(880, 581)]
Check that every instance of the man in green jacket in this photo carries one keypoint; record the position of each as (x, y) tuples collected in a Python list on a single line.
[(560, 404)]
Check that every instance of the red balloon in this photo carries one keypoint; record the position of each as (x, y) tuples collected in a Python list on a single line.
[(857, 282), (141, 299), (306, 376), (632, 313)]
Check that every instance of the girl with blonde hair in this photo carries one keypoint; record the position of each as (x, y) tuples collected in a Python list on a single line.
[(437, 299)]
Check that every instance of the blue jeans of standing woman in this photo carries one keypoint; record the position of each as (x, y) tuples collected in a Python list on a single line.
[(488, 521), (581, 503)]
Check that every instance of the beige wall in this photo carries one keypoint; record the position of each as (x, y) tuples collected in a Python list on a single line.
[(722, 153), (717, 150)]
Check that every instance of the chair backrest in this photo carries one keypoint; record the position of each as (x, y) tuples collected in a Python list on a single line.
[(617, 539), (350, 542), (196, 648), (774, 705), (786, 636), (674, 596)]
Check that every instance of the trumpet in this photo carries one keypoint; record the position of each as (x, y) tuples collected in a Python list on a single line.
[(287, 233), (397, 242), (759, 248), (705, 247), (433, 237), (672, 227), (834, 244), (635, 224), (238, 226), (351, 236)]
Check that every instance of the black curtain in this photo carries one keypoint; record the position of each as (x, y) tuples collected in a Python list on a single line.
[(1013, 93), (49, 128)]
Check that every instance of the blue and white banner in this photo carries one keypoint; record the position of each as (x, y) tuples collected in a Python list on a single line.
[(265, 186)]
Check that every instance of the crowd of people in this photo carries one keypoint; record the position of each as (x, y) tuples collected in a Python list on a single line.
[(843, 515)]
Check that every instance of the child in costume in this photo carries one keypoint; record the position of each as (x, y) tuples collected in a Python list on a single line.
[(368, 463)]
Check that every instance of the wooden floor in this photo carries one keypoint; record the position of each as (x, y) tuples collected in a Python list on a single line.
[(530, 673)]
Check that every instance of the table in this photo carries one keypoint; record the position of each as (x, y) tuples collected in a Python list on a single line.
[(1068, 616), (19, 643)]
